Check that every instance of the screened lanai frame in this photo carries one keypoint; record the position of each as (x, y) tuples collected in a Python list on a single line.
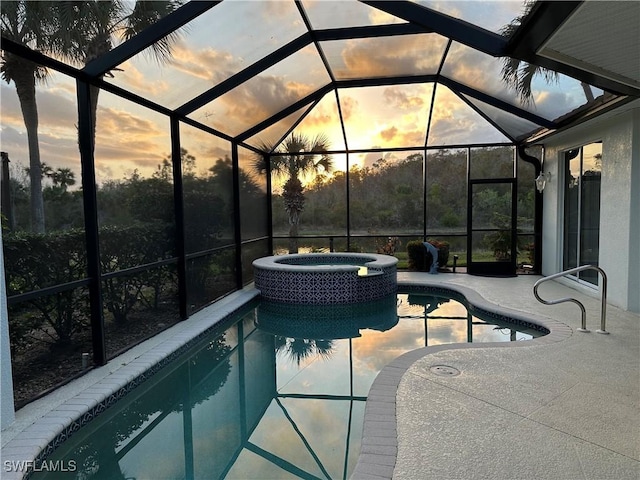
[(410, 21)]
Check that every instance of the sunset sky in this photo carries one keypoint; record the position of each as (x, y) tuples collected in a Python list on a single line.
[(217, 45)]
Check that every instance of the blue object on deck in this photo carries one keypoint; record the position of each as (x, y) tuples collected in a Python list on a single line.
[(434, 255)]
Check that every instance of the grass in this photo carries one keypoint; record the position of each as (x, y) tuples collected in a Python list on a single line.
[(402, 256)]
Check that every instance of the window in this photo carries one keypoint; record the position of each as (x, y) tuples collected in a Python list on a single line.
[(583, 167)]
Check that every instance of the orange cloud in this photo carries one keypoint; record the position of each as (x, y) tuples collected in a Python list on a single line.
[(324, 114), (112, 122), (348, 106), (251, 103), (412, 137), (392, 136), (389, 134), (127, 141), (206, 148), (137, 81), (207, 64), (397, 98), (408, 54), (378, 17), (471, 67), (57, 132)]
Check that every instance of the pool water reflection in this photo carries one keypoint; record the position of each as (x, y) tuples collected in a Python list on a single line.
[(279, 392)]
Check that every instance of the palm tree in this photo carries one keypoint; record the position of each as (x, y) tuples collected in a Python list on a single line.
[(28, 23), (92, 28), (45, 170), (519, 74), (297, 156), (63, 178)]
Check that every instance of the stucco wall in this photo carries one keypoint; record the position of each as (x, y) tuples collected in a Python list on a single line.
[(620, 202), (634, 230)]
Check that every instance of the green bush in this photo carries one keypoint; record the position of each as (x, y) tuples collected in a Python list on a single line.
[(208, 276), (499, 241), (127, 247), (420, 259), (36, 261)]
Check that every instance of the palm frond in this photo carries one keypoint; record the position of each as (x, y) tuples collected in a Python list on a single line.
[(26, 23), (326, 162), (518, 74), (145, 14), (320, 143)]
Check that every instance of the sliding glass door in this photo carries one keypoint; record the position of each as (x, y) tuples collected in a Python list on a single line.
[(583, 167)]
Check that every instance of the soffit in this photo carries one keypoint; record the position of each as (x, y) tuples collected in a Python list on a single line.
[(602, 37)]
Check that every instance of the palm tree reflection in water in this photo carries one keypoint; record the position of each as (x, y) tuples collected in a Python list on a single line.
[(302, 349)]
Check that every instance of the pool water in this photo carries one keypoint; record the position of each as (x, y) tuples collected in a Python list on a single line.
[(277, 392)]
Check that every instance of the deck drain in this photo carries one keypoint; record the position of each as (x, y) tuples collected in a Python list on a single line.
[(445, 371)]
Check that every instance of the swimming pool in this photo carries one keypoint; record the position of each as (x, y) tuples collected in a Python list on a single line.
[(268, 394)]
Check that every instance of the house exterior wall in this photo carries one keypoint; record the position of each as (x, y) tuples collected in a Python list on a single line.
[(619, 254)]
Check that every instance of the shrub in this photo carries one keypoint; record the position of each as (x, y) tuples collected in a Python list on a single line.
[(355, 247), (420, 259), (36, 261), (207, 276), (127, 247), (500, 241)]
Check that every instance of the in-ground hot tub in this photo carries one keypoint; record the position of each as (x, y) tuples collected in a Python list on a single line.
[(326, 278)]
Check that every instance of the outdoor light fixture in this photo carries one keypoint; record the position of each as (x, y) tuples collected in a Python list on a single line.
[(541, 180)]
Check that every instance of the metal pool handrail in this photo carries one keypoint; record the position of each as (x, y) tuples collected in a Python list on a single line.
[(603, 310)]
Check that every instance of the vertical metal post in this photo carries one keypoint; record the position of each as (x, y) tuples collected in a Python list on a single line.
[(178, 205), (269, 204), (426, 328), (603, 304), (424, 195), (469, 211), (348, 200), (237, 226), (346, 146), (514, 216), (5, 186), (90, 203)]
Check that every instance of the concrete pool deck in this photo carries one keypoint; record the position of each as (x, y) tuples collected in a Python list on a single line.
[(562, 409)]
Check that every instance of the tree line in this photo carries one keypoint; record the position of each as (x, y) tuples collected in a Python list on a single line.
[(76, 32), (389, 195)]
